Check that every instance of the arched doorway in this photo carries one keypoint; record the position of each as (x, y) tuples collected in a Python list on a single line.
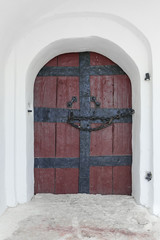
[(77, 156)]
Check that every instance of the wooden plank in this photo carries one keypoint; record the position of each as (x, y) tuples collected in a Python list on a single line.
[(67, 144), (101, 180), (122, 180), (102, 89), (44, 180), (68, 87), (122, 137), (66, 180), (44, 139), (101, 141), (98, 59), (52, 63), (68, 60), (45, 92), (122, 92)]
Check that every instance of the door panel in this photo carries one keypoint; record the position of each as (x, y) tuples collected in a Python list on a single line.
[(122, 92), (101, 142), (98, 59), (66, 180), (101, 180), (122, 180), (68, 60), (44, 180), (67, 88), (45, 92), (44, 144), (102, 88), (52, 63), (67, 141), (69, 156), (122, 138)]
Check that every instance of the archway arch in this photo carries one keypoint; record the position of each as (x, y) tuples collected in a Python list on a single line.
[(134, 59)]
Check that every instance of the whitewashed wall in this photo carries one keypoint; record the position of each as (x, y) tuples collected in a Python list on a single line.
[(33, 32)]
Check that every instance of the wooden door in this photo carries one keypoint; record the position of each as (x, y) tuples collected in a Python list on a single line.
[(69, 156)]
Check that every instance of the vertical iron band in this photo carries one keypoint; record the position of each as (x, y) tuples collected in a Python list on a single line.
[(84, 94)]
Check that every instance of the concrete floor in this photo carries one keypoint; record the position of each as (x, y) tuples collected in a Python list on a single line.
[(79, 217)]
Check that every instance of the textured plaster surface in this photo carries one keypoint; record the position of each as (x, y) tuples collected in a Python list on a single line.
[(77, 217), (33, 32)]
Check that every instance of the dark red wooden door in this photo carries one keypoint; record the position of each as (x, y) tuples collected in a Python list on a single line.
[(69, 160)]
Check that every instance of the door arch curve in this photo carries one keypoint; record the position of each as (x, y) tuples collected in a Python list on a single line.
[(71, 160)]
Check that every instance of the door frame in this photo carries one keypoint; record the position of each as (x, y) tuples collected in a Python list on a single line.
[(20, 179)]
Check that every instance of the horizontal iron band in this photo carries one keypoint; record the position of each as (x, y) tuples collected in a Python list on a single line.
[(106, 70), (61, 115), (74, 71), (74, 162), (59, 71)]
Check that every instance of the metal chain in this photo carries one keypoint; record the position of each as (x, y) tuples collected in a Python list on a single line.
[(106, 122)]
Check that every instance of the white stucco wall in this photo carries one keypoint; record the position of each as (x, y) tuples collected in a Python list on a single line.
[(2, 145), (33, 32)]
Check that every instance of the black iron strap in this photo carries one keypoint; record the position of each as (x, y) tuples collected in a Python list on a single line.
[(106, 122)]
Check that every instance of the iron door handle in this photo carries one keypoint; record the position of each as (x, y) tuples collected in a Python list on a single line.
[(69, 104), (93, 99)]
